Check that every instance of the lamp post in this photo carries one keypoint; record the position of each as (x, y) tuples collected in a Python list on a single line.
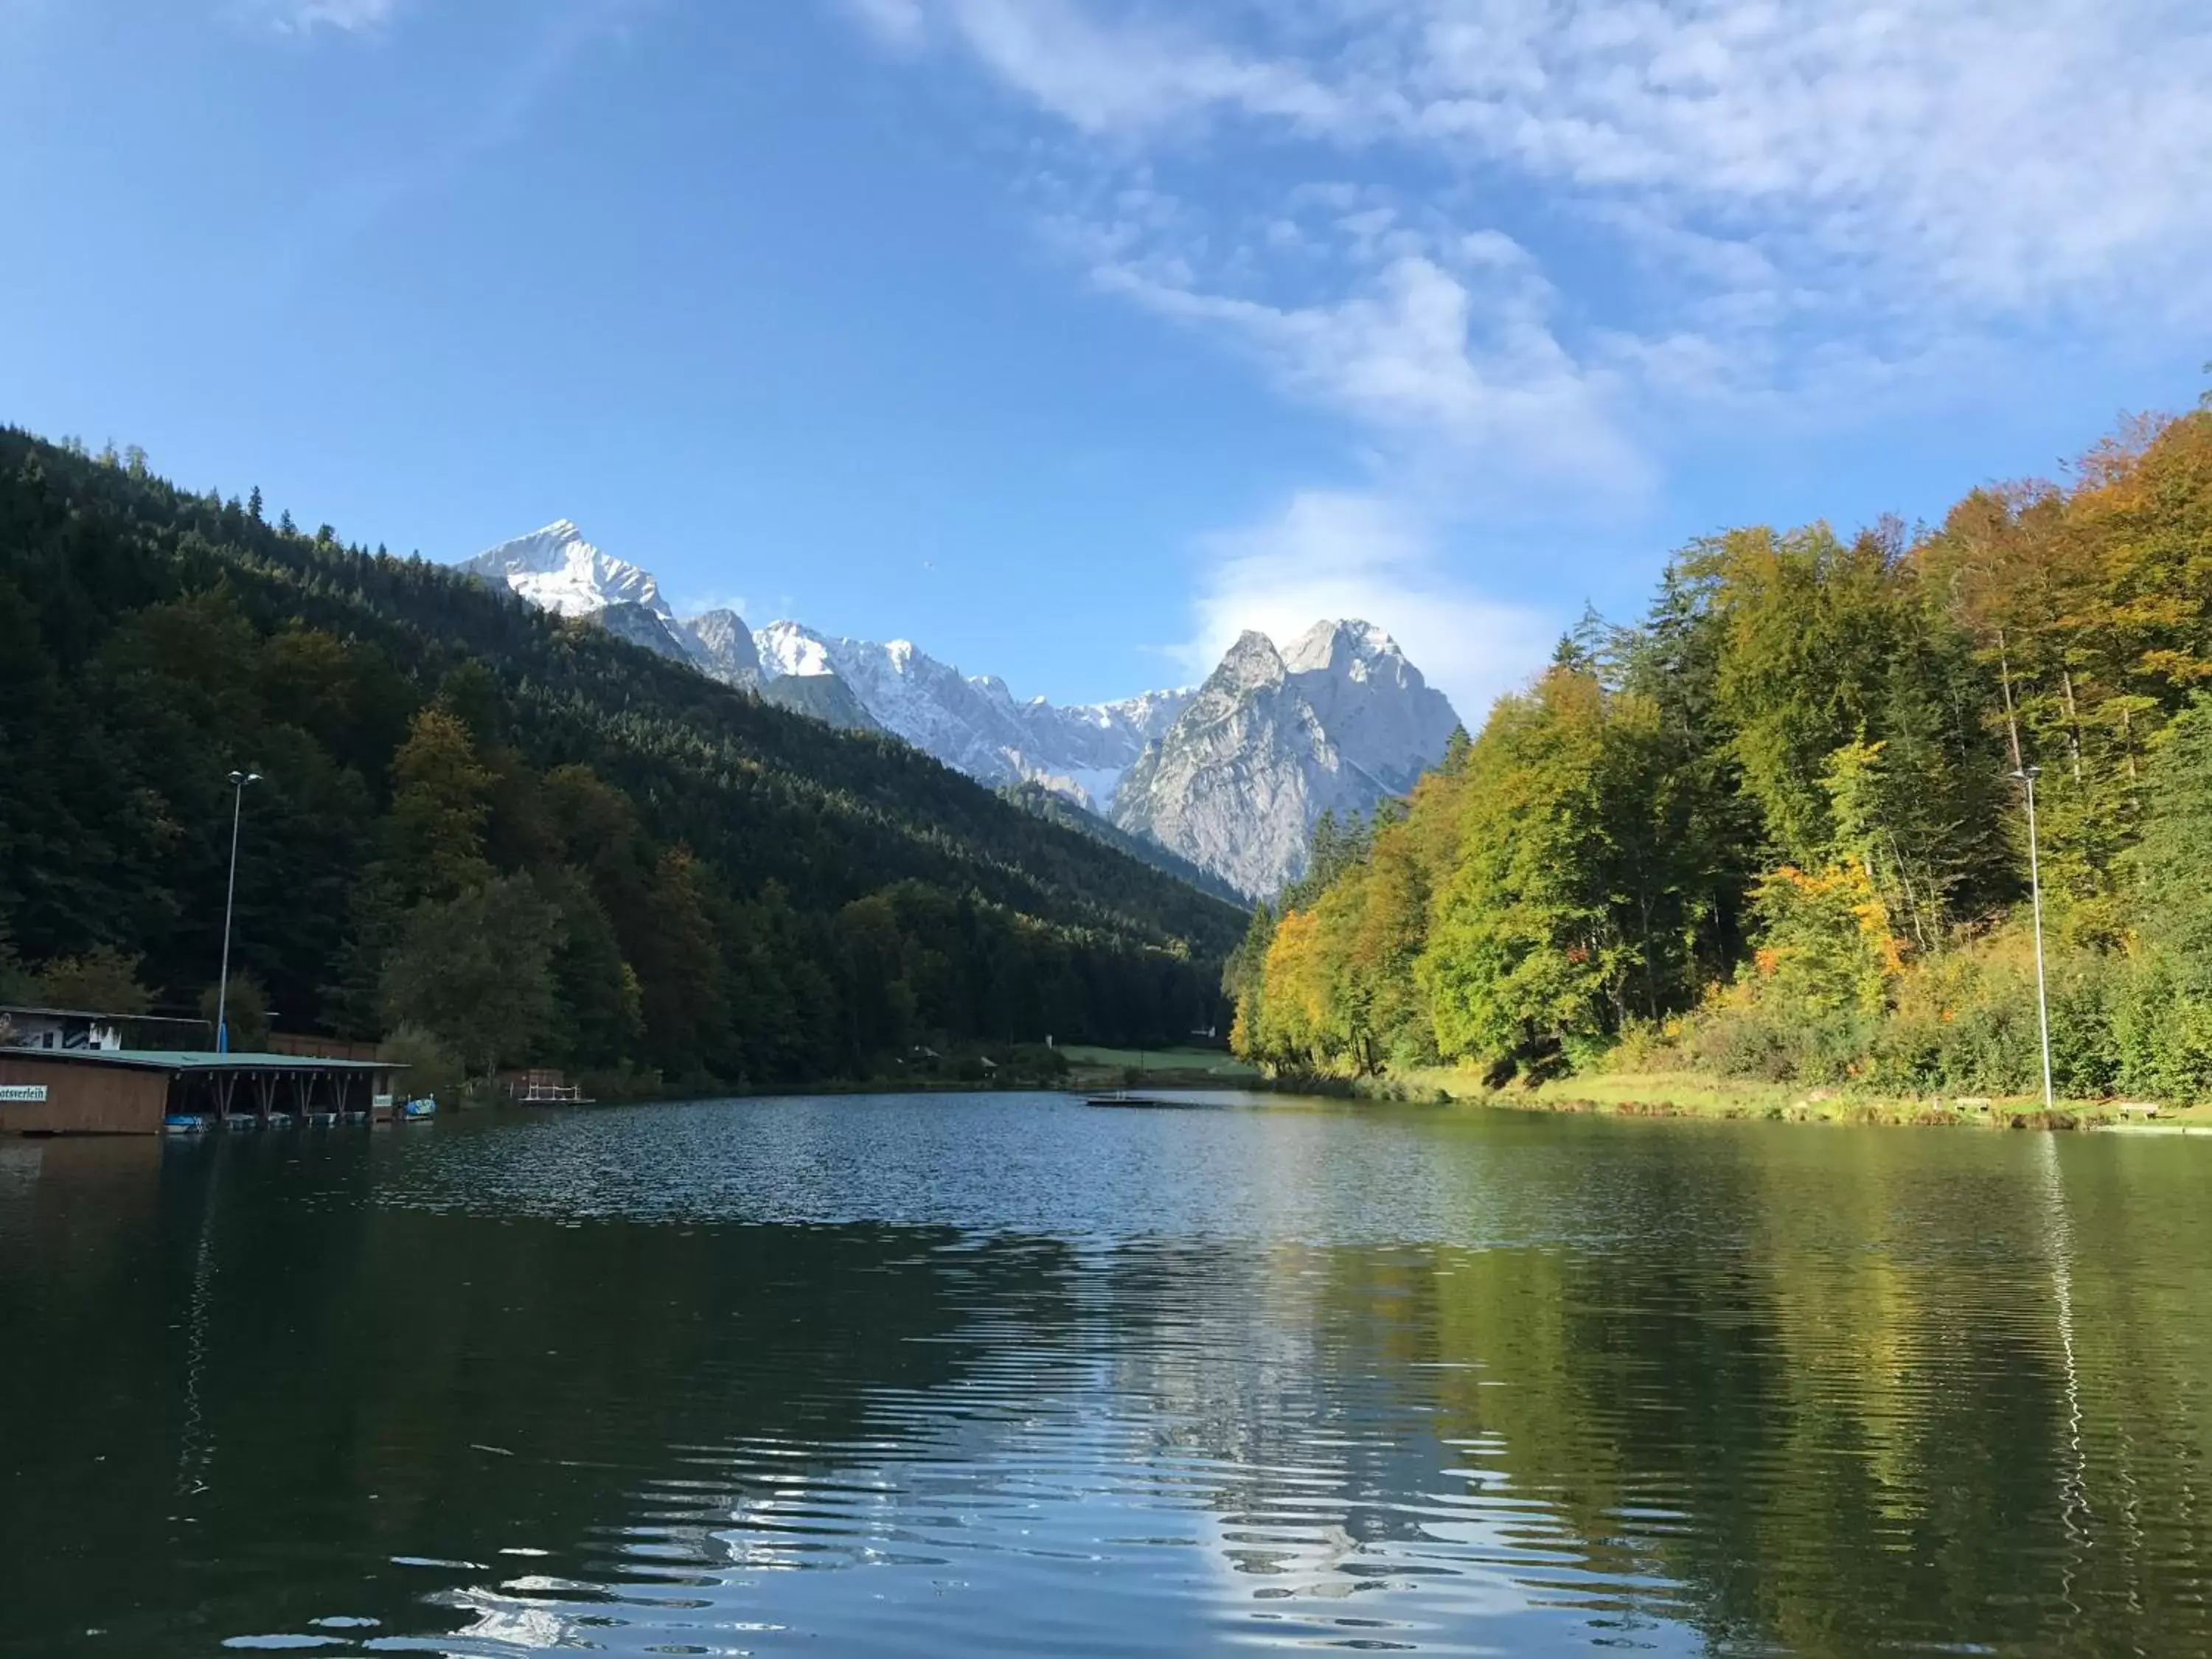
[(238, 782), (2025, 777)]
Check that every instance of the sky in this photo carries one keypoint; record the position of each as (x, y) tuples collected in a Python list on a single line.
[(1069, 337)]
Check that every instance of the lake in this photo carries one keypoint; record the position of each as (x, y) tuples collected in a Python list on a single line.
[(1001, 1374)]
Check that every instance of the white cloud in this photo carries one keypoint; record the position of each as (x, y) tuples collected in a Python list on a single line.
[(1129, 73), (1370, 555), (1435, 358), (1997, 155), (304, 16), (897, 22)]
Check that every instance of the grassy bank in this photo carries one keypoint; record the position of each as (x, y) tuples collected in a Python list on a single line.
[(1687, 1094), (1091, 1068)]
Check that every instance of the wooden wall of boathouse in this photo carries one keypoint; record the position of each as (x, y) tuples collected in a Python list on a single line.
[(81, 1099), (93, 1092)]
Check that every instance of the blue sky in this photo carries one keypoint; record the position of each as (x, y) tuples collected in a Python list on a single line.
[(1067, 336)]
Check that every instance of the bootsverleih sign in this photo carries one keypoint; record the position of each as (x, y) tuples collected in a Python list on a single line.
[(23, 1093)]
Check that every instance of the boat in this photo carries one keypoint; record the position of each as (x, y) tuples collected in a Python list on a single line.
[(418, 1111), (1142, 1103), (185, 1123)]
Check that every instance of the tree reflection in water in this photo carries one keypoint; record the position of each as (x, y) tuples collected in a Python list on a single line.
[(897, 1378)]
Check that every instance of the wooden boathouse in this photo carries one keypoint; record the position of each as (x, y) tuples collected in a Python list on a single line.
[(107, 1091)]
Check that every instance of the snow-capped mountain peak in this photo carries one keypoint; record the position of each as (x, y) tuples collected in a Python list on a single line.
[(787, 648), (556, 570)]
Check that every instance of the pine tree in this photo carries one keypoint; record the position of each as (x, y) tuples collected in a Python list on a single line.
[(434, 835)]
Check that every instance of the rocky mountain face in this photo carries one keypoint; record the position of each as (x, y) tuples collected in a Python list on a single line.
[(725, 646), (1373, 703), (1273, 739), (1231, 777)]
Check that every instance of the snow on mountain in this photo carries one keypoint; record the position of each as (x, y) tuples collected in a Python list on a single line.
[(975, 723), (1273, 740), (785, 647), (556, 570)]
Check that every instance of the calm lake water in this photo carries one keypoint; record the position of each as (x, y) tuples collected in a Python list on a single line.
[(1005, 1374)]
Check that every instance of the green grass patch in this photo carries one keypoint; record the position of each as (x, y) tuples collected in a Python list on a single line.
[(1213, 1061)]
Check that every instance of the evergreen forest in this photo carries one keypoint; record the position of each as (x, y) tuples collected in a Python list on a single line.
[(1777, 829), (495, 839)]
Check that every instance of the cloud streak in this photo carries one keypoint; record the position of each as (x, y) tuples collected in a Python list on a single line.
[(305, 16), (1116, 72)]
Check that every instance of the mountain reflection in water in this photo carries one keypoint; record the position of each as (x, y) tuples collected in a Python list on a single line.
[(1000, 1373)]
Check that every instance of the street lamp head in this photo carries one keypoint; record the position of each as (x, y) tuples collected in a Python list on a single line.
[(241, 779), (2025, 774)]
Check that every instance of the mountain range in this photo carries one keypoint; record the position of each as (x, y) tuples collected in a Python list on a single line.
[(1230, 777)]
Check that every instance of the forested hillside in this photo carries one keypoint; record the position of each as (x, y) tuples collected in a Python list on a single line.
[(529, 840), (1041, 802), (1770, 830)]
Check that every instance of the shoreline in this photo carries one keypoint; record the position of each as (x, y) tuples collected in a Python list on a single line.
[(1692, 1095)]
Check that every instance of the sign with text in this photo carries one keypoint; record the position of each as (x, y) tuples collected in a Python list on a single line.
[(23, 1093)]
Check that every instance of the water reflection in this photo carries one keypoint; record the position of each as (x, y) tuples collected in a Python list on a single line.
[(884, 1377)]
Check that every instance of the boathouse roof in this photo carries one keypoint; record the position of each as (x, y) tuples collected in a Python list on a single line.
[(96, 1013), (193, 1060)]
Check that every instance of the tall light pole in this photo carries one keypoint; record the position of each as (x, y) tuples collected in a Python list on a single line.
[(2025, 777), (238, 782)]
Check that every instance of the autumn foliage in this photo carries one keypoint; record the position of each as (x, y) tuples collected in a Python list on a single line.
[(1774, 827)]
